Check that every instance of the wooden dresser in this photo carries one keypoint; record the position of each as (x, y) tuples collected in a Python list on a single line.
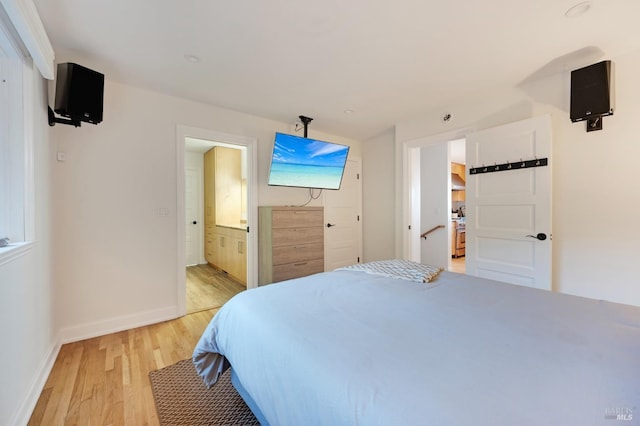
[(291, 242)]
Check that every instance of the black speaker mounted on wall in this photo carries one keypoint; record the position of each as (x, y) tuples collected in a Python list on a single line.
[(592, 94), (79, 95)]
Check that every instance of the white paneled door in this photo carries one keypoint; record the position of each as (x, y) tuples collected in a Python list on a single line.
[(508, 226), (343, 222), (193, 208)]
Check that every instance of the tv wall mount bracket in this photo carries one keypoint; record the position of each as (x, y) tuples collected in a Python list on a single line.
[(305, 123)]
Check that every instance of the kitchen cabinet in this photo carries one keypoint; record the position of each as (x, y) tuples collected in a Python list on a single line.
[(453, 238), (209, 189), (458, 231), (223, 186), (458, 195), (227, 185), (291, 242), (225, 233), (460, 170), (458, 239), (226, 250), (211, 252)]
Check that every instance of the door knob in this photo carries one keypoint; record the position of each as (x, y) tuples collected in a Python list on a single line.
[(540, 236), (195, 223), (329, 225)]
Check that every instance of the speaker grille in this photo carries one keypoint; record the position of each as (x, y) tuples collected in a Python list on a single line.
[(79, 93), (591, 91)]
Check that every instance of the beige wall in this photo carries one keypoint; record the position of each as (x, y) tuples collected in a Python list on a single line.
[(115, 258), (26, 296), (595, 191), (378, 201)]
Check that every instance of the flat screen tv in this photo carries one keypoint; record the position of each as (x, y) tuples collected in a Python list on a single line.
[(307, 163)]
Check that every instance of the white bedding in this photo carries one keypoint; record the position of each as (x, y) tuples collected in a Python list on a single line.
[(349, 348)]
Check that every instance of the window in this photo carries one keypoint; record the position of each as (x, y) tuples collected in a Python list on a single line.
[(13, 155), (16, 189)]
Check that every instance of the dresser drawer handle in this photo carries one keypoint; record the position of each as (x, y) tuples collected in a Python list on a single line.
[(300, 264)]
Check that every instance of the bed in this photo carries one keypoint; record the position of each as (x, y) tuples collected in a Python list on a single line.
[(356, 348)]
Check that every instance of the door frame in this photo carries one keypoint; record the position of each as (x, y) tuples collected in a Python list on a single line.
[(408, 243), (251, 145)]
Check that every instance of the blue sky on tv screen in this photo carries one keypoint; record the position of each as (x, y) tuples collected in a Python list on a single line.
[(291, 149)]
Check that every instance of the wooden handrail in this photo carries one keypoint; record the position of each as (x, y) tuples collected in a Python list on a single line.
[(424, 234)]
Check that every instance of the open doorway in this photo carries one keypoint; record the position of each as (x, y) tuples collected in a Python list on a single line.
[(216, 210), (215, 222), (437, 221), (507, 214), (457, 152)]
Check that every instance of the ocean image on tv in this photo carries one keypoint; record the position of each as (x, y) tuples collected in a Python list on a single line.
[(307, 162)]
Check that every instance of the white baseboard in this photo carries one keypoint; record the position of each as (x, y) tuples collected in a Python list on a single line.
[(23, 413), (114, 325)]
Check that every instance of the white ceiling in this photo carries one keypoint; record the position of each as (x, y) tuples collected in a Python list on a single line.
[(387, 61)]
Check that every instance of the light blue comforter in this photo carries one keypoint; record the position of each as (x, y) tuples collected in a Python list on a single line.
[(350, 348)]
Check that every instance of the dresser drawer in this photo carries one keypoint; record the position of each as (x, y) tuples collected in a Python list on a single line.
[(297, 218), (297, 253), (291, 242), (292, 236), (297, 269)]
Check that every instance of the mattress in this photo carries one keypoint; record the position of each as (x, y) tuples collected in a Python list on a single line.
[(351, 348)]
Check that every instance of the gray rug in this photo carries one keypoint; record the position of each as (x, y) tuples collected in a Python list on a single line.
[(182, 398)]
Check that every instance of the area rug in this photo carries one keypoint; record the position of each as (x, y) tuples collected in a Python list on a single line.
[(182, 398)]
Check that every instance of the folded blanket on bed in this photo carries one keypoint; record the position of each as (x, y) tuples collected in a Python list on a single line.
[(397, 268)]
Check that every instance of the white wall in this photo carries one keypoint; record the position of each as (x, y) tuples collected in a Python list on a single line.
[(378, 201), (28, 338), (434, 202), (595, 190), (115, 264)]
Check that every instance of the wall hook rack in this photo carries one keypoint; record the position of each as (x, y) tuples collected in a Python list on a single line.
[(538, 162)]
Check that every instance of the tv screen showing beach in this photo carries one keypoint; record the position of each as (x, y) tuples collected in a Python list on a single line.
[(307, 163)]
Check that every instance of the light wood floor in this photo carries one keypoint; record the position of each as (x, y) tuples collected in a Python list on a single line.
[(457, 265), (105, 380), (208, 288)]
